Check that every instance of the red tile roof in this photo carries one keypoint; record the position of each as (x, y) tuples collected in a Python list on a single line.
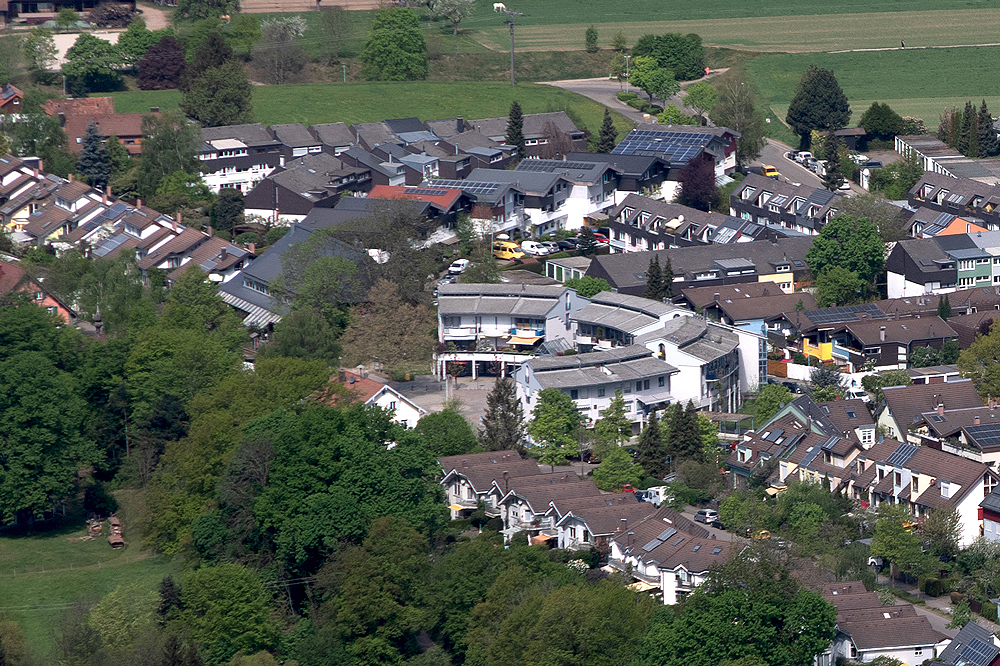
[(121, 125), (79, 105), (443, 201)]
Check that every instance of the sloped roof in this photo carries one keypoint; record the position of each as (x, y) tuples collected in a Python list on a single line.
[(79, 106), (974, 645), (907, 402)]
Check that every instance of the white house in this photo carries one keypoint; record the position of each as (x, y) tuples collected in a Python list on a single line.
[(592, 380), (372, 392), (669, 553), (470, 479), (238, 156)]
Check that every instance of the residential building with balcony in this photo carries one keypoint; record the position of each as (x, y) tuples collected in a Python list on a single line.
[(648, 175), (496, 207), (639, 224), (238, 156), (747, 306), (902, 406), (673, 557), (888, 343), (926, 479), (544, 202), (592, 186), (782, 262), (782, 205), (593, 379), (525, 507), (611, 320), (469, 479), (679, 144), (920, 266), (591, 522)]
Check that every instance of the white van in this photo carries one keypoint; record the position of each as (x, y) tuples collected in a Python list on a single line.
[(857, 393), (534, 248)]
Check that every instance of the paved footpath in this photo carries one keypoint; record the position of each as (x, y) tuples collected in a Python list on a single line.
[(937, 610)]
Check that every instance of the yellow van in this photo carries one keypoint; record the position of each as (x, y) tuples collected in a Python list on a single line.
[(506, 250), (769, 171)]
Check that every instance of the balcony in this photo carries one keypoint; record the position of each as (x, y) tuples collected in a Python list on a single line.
[(464, 332), (527, 332), (823, 350), (585, 340)]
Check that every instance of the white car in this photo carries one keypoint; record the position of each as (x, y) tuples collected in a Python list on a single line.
[(534, 248), (857, 394), (458, 266), (803, 157), (846, 185)]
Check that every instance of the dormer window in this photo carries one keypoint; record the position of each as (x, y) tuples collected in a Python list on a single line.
[(784, 268)]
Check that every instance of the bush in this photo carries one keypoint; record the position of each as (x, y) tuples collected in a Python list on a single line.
[(958, 597), (990, 612), (274, 235), (800, 358), (653, 110), (494, 524), (626, 96), (248, 237), (933, 587)]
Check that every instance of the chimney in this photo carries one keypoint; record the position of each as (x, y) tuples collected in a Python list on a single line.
[(180, 219), (71, 178), (341, 375), (138, 203), (34, 172), (252, 247), (881, 333), (175, 225), (223, 255), (975, 421), (104, 197), (993, 404), (41, 165), (210, 230), (940, 409), (460, 124)]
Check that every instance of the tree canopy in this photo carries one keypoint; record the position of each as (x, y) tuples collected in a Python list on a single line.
[(849, 243), (819, 104), (395, 49)]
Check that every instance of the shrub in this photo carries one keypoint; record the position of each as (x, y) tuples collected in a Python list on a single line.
[(248, 237), (653, 110), (626, 96), (494, 524), (275, 234), (958, 597), (990, 612), (799, 358), (933, 587)]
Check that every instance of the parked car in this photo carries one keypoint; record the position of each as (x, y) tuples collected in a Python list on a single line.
[(707, 516), (503, 249), (794, 387), (534, 248), (448, 279), (872, 164), (858, 394), (627, 488), (803, 156), (812, 164), (567, 245), (458, 266), (846, 185), (769, 171), (859, 159), (601, 238), (552, 246), (792, 154)]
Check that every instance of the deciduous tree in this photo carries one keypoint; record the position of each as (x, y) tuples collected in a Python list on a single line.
[(447, 433), (389, 331), (162, 67), (93, 63), (698, 188), (304, 333), (279, 56), (819, 104), (170, 145), (40, 51), (894, 538), (336, 25), (227, 210), (554, 422), (839, 286), (768, 400), (613, 428), (652, 79), (395, 49), (588, 286), (701, 97), (738, 110), (850, 243), (454, 11), (980, 363), (617, 469), (220, 96)]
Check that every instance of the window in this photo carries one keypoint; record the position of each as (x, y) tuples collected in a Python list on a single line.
[(918, 652), (897, 478), (915, 483), (392, 404), (574, 394), (638, 386), (600, 393), (645, 385), (867, 435), (989, 483), (660, 381), (39, 296)]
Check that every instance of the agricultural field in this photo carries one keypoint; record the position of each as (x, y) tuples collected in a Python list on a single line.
[(42, 574), (370, 102), (914, 82)]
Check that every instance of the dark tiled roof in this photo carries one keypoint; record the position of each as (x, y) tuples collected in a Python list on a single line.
[(973, 646), (892, 632), (907, 402)]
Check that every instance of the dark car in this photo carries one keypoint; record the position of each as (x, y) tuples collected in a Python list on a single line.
[(872, 164), (567, 245), (794, 387)]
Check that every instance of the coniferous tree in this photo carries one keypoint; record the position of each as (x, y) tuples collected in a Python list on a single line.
[(819, 104), (609, 135), (93, 161), (989, 146), (653, 448), (515, 130), (833, 178), (503, 423), (944, 307), (654, 280), (973, 131), (685, 436), (588, 246), (965, 133), (668, 280), (170, 598)]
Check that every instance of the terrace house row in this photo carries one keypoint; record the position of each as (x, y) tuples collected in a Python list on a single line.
[(943, 264), (782, 262), (784, 206)]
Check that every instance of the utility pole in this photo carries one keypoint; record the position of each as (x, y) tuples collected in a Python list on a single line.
[(510, 23)]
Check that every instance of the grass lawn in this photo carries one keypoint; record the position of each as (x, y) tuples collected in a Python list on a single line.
[(370, 102), (918, 83), (795, 31), (40, 574)]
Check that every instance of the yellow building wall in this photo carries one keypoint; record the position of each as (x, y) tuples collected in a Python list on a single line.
[(779, 278), (823, 351)]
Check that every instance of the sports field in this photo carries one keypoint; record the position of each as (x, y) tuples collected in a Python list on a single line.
[(918, 82), (371, 102)]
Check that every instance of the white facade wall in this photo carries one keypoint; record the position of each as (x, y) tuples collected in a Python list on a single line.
[(405, 413), (968, 511), (897, 286)]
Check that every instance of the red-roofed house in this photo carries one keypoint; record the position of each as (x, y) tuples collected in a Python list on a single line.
[(446, 202), (126, 126), (14, 279), (372, 392), (10, 99)]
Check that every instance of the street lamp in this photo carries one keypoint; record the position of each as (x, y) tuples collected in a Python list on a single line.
[(626, 72)]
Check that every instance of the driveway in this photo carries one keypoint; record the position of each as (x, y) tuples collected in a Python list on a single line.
[(605, 91), (791, 171), (721, 535)]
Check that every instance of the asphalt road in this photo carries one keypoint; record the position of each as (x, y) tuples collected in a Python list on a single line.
[(720, 535), (791, 171)]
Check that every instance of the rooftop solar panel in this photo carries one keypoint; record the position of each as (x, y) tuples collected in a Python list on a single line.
[(978, 652), (901, 455), (845, 314), (651, 545), (667, 533), (426, 192)]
